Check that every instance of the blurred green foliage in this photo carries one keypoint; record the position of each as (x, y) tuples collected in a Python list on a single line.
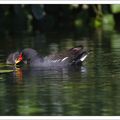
[(22, 18), (115, 8), (108, 22)]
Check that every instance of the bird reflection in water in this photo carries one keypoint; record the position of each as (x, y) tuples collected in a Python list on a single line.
[(18, 75)]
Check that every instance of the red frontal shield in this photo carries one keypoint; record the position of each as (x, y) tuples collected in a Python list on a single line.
[(19, 59)]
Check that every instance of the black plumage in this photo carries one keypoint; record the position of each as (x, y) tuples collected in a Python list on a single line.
[(29, 56)]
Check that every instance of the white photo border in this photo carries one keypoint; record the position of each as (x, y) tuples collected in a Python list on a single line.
[(59, 2)]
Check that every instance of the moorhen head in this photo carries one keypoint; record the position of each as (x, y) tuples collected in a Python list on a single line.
[(25, 56), (12, 58)]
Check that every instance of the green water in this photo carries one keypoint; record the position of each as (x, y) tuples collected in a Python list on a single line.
[(93, 89)]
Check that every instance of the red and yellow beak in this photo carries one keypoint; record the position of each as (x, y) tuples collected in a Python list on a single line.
[(19, 59)]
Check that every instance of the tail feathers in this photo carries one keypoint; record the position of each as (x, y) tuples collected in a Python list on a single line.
[(83, 57), (80, 58)]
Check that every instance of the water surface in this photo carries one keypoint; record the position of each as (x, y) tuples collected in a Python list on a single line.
[(93, 89)]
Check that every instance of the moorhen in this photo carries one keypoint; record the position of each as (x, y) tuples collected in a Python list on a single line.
[(73, 56)]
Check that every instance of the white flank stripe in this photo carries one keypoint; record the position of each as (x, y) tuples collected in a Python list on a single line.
[(64, 59), (83, 58)]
